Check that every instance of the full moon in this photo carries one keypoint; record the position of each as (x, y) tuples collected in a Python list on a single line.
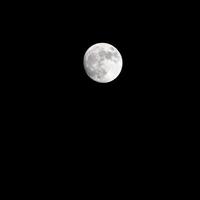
[(102, 62)]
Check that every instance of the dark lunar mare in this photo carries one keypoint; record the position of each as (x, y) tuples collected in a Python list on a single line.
[(92, 59), (92, 71), (105, 54)]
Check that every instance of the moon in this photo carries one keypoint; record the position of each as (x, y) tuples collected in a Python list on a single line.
[(102, 62)]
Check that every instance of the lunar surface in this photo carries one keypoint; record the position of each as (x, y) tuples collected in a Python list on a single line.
[(102, 62)]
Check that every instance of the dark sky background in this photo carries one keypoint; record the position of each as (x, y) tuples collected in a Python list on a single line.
[(50, 40), (62, 124)]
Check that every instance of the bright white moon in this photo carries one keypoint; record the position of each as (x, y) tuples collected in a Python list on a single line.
[(102, 62)]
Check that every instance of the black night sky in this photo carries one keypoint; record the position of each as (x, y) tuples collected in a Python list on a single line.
[(61, 124), (51, 40)]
